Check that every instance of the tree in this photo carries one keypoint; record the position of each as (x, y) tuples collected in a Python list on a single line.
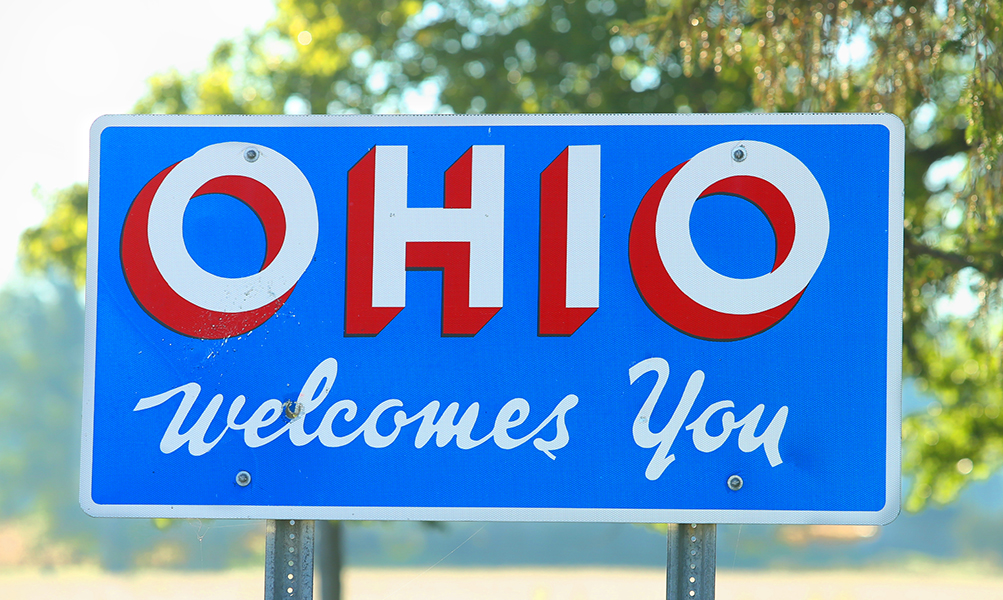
[(41, 355), (461, 56), (61, 241), (932, 62)]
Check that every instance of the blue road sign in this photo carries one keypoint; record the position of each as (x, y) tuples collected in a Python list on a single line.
[(650, 318)]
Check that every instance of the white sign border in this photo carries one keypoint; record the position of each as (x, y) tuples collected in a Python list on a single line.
[(896, 193)]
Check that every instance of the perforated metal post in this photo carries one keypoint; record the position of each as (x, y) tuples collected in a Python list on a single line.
[(289, 560), (692, 562)]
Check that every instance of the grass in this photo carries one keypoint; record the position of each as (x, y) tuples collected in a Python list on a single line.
[(585, 583)]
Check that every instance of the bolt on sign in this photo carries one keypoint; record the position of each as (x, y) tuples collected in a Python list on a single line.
[(661, 318)]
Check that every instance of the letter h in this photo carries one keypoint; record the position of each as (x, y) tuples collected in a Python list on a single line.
[(386, 238)]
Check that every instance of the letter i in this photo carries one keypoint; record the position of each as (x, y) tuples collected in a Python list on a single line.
[(569, 241)]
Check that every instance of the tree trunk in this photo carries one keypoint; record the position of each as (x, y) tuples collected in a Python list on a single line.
[(329, 559)]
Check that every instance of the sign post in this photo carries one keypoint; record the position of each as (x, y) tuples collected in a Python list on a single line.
[(691, 566), (289, 552), (645, 318)]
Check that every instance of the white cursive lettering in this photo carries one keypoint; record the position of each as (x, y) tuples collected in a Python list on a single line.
[(444, 427), (662, 441)]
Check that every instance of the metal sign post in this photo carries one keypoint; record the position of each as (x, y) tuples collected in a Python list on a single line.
[(289, 560), (691, 566)]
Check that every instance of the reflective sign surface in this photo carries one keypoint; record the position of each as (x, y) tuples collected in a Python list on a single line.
[(615, 318)]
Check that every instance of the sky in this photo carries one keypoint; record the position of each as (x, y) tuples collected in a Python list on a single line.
[(64, 63)]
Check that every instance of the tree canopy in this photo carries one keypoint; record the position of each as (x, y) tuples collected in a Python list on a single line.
[(934, 63)]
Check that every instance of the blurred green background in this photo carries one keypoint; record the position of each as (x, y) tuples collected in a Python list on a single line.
[(935, 63)]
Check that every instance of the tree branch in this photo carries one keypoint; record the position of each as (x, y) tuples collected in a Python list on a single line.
[(961, 261)]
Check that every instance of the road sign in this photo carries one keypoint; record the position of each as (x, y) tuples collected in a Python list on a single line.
[(664, 318)]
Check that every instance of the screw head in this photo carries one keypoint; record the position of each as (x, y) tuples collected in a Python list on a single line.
[(243, 479), (739, 153), (735, 483), (251, 154)]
